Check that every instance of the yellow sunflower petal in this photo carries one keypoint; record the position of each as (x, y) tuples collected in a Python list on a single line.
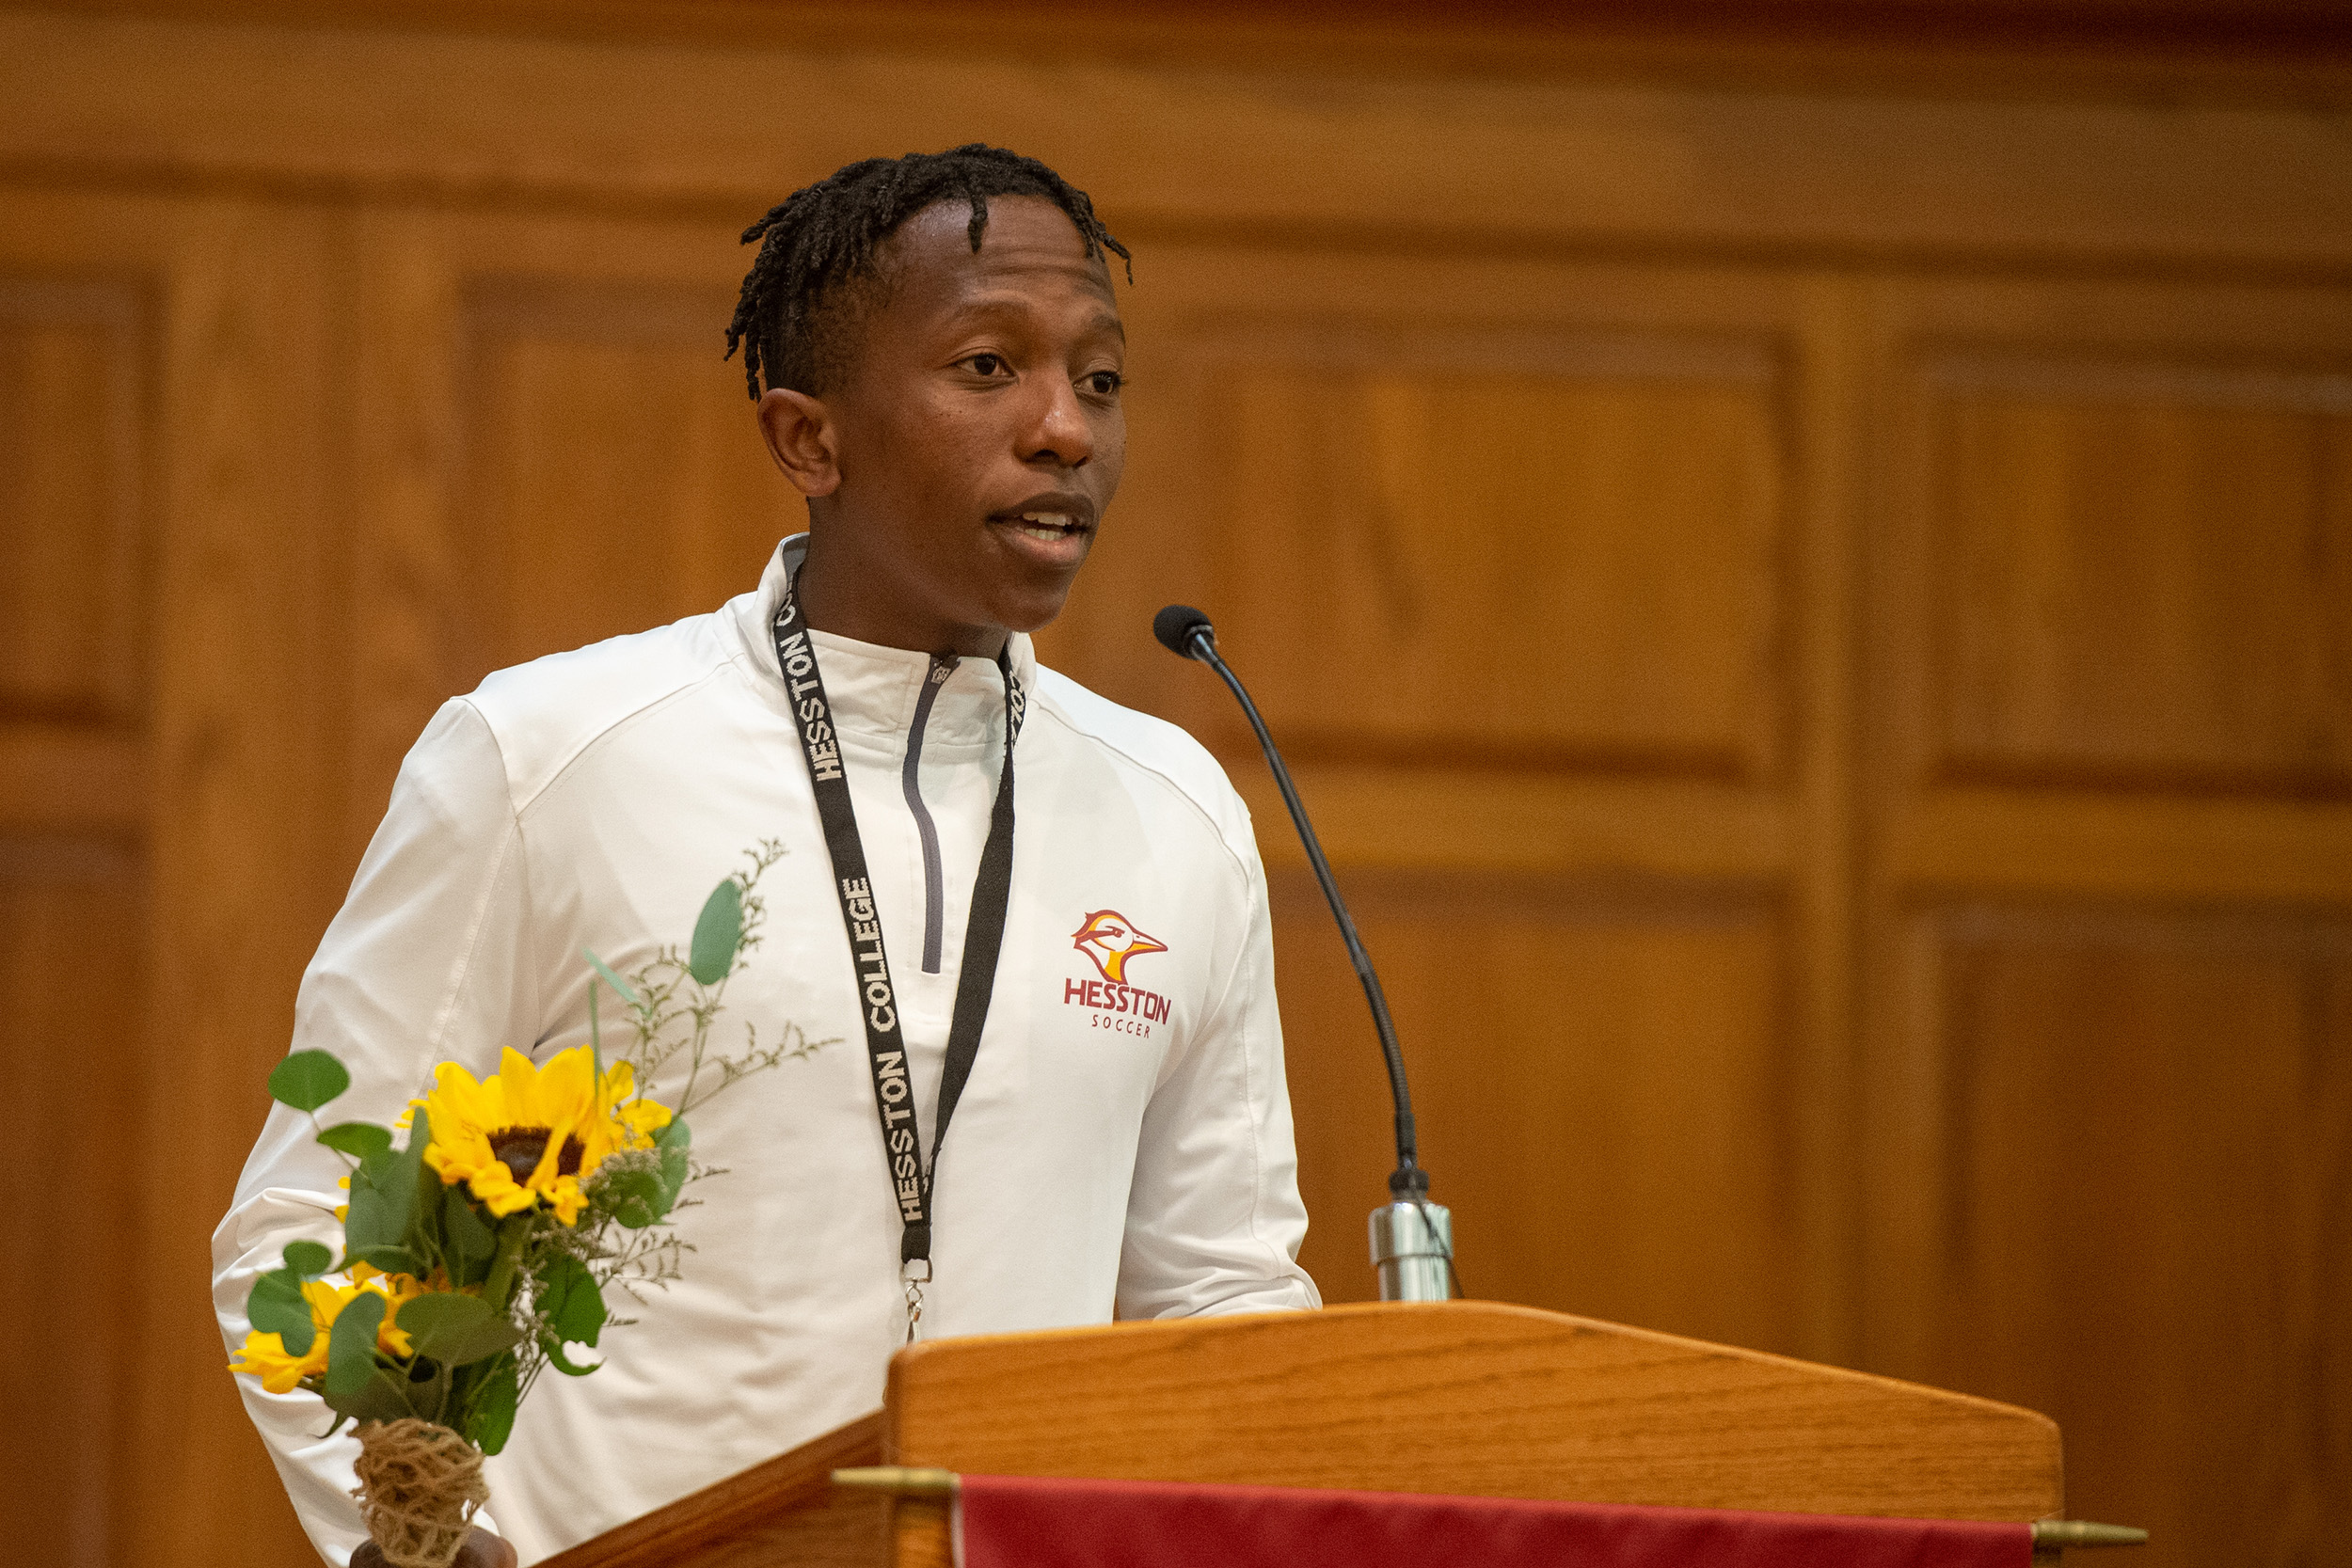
[(496, 1186), (516, 1079), (644, 1118), (265, 1355)]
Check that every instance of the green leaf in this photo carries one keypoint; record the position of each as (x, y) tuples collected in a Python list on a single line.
[(716, 933), (471, 1240), (555, 1358), (383, 1196), (307, 1080), (494, 1336), (438, 1314), (569, 1297), (505, 1277), (375, 1220), (673, 1141), (359, 1139), (308, 1259), (611, 980), (419, 1134), (277, 1307), (381, 1171), (494, 1410), (439, 1320), (426, 1188), (391, 1259), (381, 1396), (639, 1197), (351, 1344)]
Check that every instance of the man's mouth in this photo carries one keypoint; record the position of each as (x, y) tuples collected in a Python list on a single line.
[(1047, 525)]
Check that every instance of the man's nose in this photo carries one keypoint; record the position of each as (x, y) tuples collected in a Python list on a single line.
[(1058, 432)]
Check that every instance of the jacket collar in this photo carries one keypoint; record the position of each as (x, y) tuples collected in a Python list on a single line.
[(873, 689)]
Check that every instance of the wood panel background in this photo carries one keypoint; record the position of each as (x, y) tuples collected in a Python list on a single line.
[(1807, 576)]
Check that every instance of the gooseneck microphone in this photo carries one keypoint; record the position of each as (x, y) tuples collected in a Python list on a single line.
[(1413, 1238)]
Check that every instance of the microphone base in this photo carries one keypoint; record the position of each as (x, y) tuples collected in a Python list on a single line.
[(1411, 1248)]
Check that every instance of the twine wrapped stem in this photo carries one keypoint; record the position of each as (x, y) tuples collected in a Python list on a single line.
[(420, 1485)]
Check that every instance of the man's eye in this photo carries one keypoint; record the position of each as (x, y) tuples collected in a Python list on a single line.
[(986, 364), (1103, 383)]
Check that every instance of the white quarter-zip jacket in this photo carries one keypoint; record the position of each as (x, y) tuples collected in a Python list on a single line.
[(1123, 1143)]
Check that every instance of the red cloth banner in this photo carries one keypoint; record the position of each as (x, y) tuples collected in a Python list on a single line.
[(1039, 1522)]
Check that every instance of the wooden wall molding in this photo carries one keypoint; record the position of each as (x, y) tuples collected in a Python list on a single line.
[(2208, 50), (1266, 153), (72, 778), (1628, 491), (2122, 1126), (76, 354), (2084, 843), (1508, 820)]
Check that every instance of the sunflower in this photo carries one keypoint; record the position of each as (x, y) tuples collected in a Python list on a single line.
[(265, 1356), (532, 1134)]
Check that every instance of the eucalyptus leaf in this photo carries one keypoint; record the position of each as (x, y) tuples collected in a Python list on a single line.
[(351, 1344), (455, 1329), (391, 1259), (493, 1416), (716, 933), (308, 1259), (277, 1307), (381, 1170), (389, 1184), (626, 993), (471, 1241), (568, 1297), (411, 1156), (555, 1358), (359, 1139), (374, 1221), (673, 1141), (381, 1396), (639, 1197), (383, 1198), (425, 1190), (307, 1080), (499, 1285), (438, 1314), (493, 1337)]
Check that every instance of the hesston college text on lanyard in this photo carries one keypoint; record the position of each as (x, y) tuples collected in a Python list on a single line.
[(910, 1176)]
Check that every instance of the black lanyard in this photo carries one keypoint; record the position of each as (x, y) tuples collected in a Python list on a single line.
[(910, 1177)]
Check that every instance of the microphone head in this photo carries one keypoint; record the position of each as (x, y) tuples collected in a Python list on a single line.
[(1177, 625)]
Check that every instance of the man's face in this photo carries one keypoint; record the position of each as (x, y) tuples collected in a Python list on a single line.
[(976, 432)]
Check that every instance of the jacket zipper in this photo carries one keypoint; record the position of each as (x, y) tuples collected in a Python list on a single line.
[(934, 896)]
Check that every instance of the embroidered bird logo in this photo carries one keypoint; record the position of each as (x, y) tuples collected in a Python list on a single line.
[(1110, 938)]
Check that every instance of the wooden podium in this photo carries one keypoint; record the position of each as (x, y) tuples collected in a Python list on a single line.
[(1463, 1397)]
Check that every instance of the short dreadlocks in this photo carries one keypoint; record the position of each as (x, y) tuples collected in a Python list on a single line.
[(788, 318)]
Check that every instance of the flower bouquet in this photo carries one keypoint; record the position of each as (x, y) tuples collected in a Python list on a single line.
[(479, 1252)]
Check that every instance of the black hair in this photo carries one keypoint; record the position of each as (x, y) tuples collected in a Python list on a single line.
[(817, 240)]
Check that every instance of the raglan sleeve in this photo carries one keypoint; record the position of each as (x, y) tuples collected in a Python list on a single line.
[(426, 962), (1214, 1217)]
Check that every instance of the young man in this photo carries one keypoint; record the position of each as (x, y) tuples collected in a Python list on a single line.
[(936, 353)]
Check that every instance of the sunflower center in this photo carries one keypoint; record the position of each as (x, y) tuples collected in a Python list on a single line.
[(521, 1149)]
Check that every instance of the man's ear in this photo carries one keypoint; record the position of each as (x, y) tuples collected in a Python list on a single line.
[(802, 438)]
